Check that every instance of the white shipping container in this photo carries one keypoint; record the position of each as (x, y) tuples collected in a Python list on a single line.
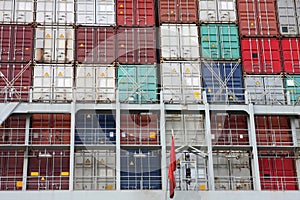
[(17, 11), (52, 82), (179, 42), (298, 14), (93, 12), (217, 11), (96, 83), (188, 129), (55, 12), (181, 82), (54, 44), (287, 17), (265, 89)]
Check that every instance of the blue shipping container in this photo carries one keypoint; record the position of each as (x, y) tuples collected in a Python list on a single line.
[(223, 82), (137, 83), (95, 129), (140, 169)]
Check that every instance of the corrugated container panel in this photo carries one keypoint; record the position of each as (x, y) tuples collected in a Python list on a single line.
[(135, 13), (15, 82), (137, 83), (95, 13), (265, 89), (298, 14), (141, 169), (136, 45), (252, 25), (181, 82), (220, 41), (96, 83), (229, 129), (51, 129), (179, 42), (52, 82), (177, 11), (277, 173), (12, 130), (291, 55), (273, 131), (95, 170), (232, 170), (11, 169), (140, 129), (188, 129), (18, 11), (191, 172), (16, 43), (217, 11), (287, 17), (223, 82), (261, 56), (292, 86), (54, 44), (94, 128), (48, 170), (55, 12), (95, 44)]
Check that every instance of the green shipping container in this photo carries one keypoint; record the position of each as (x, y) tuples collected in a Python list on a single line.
[(137, 83), (292, 84), (220, 42)]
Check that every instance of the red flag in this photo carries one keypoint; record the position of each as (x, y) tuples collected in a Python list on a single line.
[(172, 168)]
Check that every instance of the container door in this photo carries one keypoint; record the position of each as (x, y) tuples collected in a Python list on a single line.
[(105, 84), (171, 82), (65, 12), (170, 45), (208, 11), (191, 82), (83, 173), (126, 12), (274, 90), (85, 12), (292, 83), (145, 47), (105, 13), (126, 45), (175, 122), (145, 13), (127, 84), (255, 88), (229, 42), (270, 56), (194, 130), (46, 12), (291, 55), (298, 14), (85, 83), (226, 11), (7, 11), (287, 18), (188, 36), (23, 11), (63, 83), (147, 80), (42, 82), (210, 41)]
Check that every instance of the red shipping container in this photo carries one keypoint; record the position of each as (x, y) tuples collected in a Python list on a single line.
[(12, 130), (177, 11), (48, 170), (261, 56), (277, 173), (135, 13), (229, 129), (273, 131), (15, 81), (139, 129), (136, 45), (95, 44), (257, 18), (11, 169), (51, 129), (16, 43), (291, 55)]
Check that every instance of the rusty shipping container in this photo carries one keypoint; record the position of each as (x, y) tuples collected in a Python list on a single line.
[(50, 129), (15, 82), (16, 43), (257, 18), (136, 45), (178, 11), (135, 13), (95, 44), (48, 170), (261, 56)]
